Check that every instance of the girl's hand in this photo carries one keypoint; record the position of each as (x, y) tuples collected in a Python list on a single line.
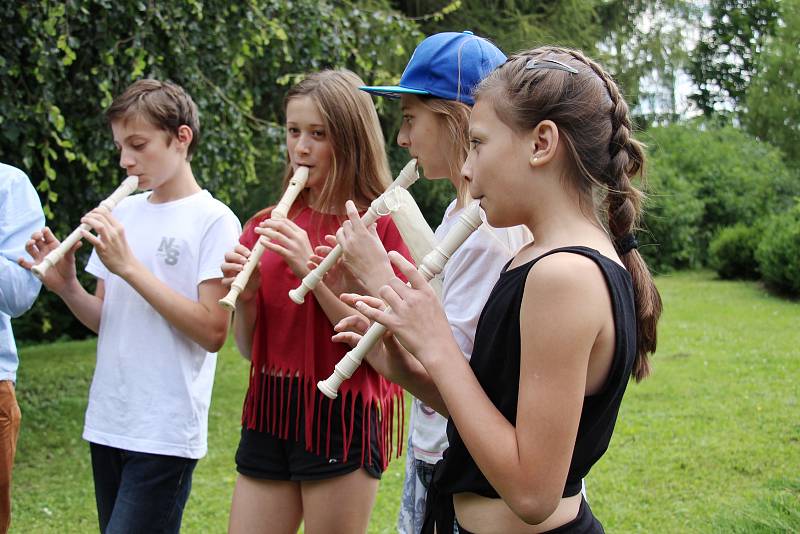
[(339, 279), (284, 237), (233, 265), (388, 358), (351, 329), (416, 317), (60, 275), (363, 253), (109, 243)]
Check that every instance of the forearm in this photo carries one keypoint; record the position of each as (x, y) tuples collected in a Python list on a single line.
[(395, 363), (490, 438), (335, 310), (193, 319), (87, 308), (244, 323)]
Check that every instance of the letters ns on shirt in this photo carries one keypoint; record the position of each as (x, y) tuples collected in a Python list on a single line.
[(168, 250)]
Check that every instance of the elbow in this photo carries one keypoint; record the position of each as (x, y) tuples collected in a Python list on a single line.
[(215, 343), (533, 509), (215, 340), (20, 302)]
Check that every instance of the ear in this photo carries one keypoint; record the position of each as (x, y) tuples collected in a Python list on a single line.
[(185, 136), (543, 143)]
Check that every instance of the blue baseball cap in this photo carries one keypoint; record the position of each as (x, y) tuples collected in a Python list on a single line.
[(446, 65)]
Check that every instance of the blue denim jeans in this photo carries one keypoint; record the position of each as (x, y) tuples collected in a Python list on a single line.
[(139, 492)]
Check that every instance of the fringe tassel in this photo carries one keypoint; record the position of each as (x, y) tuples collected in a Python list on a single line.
[(267, 408)]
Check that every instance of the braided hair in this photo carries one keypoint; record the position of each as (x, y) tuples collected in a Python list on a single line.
[(593, 121)]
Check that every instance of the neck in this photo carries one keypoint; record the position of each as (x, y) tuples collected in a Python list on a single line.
[(457, 181), (558, 220), (181, 185)]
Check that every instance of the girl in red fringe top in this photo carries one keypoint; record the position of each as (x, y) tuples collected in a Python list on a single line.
[(303, 457)]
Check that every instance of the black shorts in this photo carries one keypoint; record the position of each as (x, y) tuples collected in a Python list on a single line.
[(266, 456)]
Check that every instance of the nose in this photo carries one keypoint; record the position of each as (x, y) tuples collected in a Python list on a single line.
[(402, 136), (303, 146), (466, 169), (126, 161)]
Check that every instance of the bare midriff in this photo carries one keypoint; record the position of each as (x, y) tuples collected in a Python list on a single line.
[(483, 515)]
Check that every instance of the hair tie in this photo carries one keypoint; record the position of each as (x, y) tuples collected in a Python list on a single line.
[(627, 243)]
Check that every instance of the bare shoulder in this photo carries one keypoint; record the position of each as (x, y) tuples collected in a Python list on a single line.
[(566, 273), (567, 288)]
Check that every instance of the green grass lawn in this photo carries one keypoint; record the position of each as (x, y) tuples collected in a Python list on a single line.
[(710, 443)]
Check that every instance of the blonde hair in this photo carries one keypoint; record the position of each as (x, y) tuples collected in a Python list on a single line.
[(359, 167), (454, 116)]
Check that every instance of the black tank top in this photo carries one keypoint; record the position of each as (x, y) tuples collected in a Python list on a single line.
[(496, 362)]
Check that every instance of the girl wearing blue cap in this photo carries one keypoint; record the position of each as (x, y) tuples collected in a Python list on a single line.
[(571, 319), (436, 98)]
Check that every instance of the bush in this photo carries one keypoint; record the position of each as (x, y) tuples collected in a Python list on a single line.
[(778, 254), (736, 178), (732, 253), (671, 221)]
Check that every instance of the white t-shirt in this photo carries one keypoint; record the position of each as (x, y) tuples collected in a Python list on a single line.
[(152, 384), (468, 278)]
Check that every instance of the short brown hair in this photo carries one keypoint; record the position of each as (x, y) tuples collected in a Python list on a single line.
[(164, 104)]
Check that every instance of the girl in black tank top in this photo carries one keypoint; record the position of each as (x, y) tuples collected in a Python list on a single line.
[(570, 320)]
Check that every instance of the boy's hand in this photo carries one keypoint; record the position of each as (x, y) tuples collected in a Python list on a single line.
[(109, 243), (233, 265), (63, 273), (284, 237)]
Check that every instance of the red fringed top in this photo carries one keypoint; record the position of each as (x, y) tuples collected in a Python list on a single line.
[(293, 340)]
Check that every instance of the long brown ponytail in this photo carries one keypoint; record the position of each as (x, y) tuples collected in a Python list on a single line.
[(593, 119)]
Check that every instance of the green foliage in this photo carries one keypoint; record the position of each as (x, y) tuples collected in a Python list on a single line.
[(779, 250), (732, 251), (513, 24), (62, 63), (773, 98), (671, 220), (724, 59), (736, 178)]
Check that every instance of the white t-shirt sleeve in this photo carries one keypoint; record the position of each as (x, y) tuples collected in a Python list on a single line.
[(222, 235), (96, 267), (469, 277)]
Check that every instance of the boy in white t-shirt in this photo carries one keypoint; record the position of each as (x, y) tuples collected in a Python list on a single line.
[(155, 310)]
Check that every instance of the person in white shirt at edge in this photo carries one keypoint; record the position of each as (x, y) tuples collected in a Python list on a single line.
[(20, 214), (156, 258)]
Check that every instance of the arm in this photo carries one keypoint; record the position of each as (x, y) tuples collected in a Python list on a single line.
[(20, 216), (203, 321), (63, 280), (562, 313), (244, 317)]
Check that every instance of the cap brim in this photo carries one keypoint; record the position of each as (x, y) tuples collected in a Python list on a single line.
[(392, 91)]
